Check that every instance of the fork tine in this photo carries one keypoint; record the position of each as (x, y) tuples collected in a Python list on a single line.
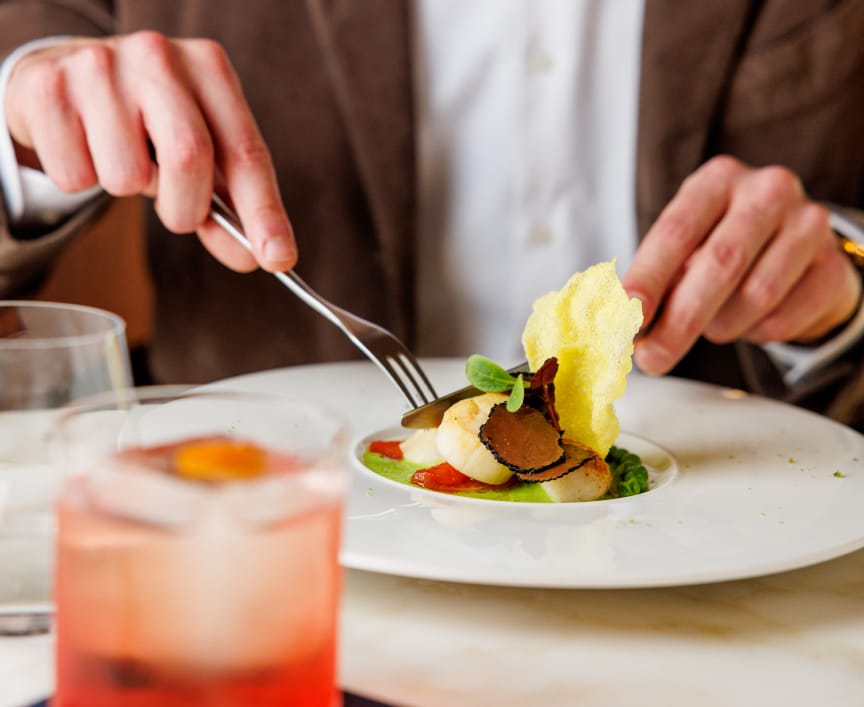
[(417, 377), (393, 358), (385, 363)]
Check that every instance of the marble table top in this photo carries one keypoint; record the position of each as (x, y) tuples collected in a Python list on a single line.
[(791, 639), (795, 638)]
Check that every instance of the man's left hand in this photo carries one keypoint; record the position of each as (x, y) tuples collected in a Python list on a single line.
[(738, 253)]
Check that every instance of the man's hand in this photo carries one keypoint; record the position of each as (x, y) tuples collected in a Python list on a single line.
[(739, 253), (90, 109)]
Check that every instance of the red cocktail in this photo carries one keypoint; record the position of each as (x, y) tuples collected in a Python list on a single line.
[(202, 571)]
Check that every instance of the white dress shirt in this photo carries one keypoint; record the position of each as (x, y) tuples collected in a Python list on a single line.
[(527, 148)]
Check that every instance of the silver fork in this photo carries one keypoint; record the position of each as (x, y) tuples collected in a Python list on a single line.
[(382, 347)]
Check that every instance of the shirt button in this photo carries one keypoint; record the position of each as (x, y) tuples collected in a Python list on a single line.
[(540, 236), (540, 61)]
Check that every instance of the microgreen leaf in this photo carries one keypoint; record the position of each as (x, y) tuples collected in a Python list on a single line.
[(488, 376), (517, 395)]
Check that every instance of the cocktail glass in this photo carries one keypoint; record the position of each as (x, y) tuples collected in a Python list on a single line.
[(197, 551), (50, 354)]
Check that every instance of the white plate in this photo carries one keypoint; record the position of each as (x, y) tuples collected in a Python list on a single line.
[(757, 489)]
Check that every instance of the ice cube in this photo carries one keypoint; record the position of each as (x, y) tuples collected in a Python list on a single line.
[(145, 496), (285, 494)]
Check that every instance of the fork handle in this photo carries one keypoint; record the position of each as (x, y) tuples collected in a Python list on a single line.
[(223, 215), (350, 325)]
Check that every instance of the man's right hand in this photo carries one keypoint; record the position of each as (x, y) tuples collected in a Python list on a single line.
[(89, 110)]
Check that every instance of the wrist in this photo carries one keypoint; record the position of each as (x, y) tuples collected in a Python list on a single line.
[(848, 226), (850, 240), (800, 361)]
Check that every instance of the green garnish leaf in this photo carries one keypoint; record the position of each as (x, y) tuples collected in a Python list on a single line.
[(629, 476), (517, 395), (633, 482), (488, 376)]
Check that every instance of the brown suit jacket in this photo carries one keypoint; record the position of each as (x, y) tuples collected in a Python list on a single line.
[(770, 81)]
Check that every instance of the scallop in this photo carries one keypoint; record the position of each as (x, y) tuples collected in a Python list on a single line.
[(422, 448), (459, 443), (585, 475)]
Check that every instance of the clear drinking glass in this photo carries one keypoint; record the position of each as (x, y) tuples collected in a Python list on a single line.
[(197, 551), (50, 354)]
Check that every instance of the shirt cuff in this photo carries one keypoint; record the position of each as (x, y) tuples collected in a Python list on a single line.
[(30, 196), (796, 362)]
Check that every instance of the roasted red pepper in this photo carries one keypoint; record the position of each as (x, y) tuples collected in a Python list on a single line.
[(444, 477), (386, 449)]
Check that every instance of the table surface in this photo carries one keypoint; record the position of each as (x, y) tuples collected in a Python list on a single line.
[(790, 639), (794, 638)]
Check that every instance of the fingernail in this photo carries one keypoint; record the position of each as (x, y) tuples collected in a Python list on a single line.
[(279, 250), (652, 359)]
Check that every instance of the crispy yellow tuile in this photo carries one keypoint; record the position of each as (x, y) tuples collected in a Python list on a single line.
[(589, 327)]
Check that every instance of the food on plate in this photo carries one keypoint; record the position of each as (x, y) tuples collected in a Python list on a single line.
[(458, 439), (589, 327), (552, 428)]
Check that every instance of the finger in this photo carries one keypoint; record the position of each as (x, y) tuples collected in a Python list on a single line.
[(243, 158), (717, 268), (118, 146), (178, 131), (778, 269), (225, 249), (48, 123), (825, 297), (682, 226)]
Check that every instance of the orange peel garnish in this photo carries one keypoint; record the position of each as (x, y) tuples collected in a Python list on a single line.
[(220, 460)]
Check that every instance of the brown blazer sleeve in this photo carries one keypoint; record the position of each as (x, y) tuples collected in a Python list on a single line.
[(25, 20), (25, 262)]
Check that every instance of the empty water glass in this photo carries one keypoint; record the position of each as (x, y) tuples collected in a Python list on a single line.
[(50, 354)]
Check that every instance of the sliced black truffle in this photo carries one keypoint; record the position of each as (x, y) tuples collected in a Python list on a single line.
[(523, 441), (541, 391), (575, 457)]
